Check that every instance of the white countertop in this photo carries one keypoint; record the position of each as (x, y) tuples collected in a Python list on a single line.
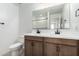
[(74, 36)]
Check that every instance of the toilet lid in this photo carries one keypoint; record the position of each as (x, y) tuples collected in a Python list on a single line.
[(16, 45)]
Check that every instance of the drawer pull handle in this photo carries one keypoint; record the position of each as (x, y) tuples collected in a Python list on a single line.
[(32, 44), (58, 48)]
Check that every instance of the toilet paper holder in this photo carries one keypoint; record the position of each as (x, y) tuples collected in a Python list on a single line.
[(2, 23)]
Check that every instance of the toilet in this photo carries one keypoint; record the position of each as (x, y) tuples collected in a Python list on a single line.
[(16, 49)]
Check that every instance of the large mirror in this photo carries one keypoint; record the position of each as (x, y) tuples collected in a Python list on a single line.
[(52, 17)]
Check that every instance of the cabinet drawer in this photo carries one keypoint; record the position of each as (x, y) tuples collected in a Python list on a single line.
[(36, 38), (69, 42), (52, 40), (68, 50), (62, 41)]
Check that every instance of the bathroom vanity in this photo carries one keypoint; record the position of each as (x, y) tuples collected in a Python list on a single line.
[(51, 45), (56, 44)]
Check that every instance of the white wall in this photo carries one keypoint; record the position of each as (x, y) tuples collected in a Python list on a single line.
[(74, 20), (66, 12), (25, 11), (66, 15), (26, 14), (8, 31)]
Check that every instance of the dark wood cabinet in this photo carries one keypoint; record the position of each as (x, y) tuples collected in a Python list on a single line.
[(68, 50), (44, 46), (33, 46), (50, 49), (37, 49), (28, 48)]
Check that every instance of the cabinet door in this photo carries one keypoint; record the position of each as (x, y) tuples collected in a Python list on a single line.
[(28, 48), (37, 49), (50, 49), (68, 50)]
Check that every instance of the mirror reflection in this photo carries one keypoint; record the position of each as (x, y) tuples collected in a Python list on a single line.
[(52, 17)]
